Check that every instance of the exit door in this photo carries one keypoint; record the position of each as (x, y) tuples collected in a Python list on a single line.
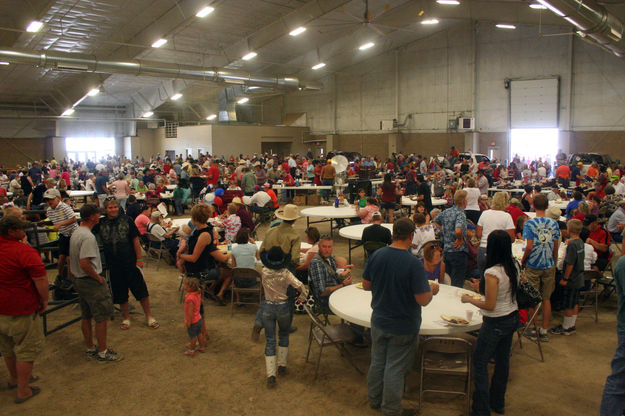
[(494, 153)]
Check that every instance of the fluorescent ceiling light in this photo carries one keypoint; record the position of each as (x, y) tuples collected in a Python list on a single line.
[(366, 46), (68, 112), (318, 66), (537, 6), (211, 117), (176, 96), (253, 88), (4, 63), (243, 100), (205, 11), (159, 43), (573, 22), (34, 26), (249, 56), (448, 2), (505, 26), (550, 7), (297, 31), (93, 92), (429, 22), (148, 114)]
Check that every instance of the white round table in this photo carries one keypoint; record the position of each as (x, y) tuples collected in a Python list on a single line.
[(559, 204), (354, 305), (329, 214), (83, 194), (354, 232), (518, 248)]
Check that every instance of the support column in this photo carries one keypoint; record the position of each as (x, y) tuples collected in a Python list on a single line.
[(392, 143)]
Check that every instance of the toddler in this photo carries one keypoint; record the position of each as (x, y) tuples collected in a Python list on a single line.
[(193, 316)]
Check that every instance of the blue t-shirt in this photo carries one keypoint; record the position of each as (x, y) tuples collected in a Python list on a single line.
[(574, 204), (245, 255), (544, 232), (100, 182), (395, 276)]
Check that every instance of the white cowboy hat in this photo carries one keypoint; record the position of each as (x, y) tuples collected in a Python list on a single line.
[(289, 212)]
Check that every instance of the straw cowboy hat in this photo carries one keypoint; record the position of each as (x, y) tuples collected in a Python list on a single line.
[(289, 212)]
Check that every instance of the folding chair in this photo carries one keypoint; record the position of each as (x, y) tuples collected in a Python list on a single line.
[(531, 321), (326, 334), (450, 357), (155, 249), (592, 294), (257, 289)]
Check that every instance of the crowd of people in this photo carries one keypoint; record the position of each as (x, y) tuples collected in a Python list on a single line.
[(468, 243)]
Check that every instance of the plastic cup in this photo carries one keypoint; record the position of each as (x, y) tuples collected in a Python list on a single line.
[(469, 315)]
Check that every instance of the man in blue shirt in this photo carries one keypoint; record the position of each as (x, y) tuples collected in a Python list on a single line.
[(100, 187), (613, 402), (542, 237), (454, 223), (572, 205), (399, 288)]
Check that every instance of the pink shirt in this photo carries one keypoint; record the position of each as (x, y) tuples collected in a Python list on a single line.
[(369, 209), (194, 300), (142, 222)]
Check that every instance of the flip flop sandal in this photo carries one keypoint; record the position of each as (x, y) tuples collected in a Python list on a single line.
[(190, 353), (14, 386), (125, 325), (35, 390), (153, 323)]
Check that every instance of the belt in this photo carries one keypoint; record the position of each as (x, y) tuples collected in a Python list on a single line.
[(282, 302)]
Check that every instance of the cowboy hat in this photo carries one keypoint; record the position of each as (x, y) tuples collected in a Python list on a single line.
[(237, 200), (275, 258), (289, 212)]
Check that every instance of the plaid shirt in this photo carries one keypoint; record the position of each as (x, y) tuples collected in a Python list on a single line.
[(319, 277)]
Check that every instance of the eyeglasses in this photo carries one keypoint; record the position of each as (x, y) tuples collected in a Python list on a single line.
[(110, 198)]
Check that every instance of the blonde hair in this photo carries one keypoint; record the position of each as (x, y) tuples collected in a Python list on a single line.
[(460, 196), (583, 208), (12, 210), (574, 226), (470, 183), (500, 200), (201, 213), (192, 283)]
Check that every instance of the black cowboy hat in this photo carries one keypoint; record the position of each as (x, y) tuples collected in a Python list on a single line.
[(275, 258)]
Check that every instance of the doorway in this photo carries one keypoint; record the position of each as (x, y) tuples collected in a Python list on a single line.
[(80, 149), (281, 149), (534, 144)]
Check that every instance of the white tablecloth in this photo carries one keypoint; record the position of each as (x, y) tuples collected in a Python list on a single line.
[(303, 187), (518, 248), (330, 212), (559, 204), (77, 194), (170, 187), (354, 305), (410, 203), (141, 197), (354, 232)]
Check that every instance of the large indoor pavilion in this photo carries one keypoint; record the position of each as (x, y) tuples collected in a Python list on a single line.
[(312, 207)]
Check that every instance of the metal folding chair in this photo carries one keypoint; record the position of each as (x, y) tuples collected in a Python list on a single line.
[(257, 289), (531, 322), (325, 334), (155, 249), (592, 294), (450, 357)]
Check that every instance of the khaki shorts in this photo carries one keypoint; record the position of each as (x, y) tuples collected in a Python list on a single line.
[(95, 299), (543, 280), (21, 337)]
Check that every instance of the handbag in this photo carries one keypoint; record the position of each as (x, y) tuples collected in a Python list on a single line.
[(527, 296)]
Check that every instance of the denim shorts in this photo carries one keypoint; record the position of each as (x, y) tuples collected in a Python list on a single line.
[(195, 329)]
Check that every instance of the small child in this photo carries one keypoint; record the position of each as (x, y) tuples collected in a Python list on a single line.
[(572, 280), (192, 316), (362, 198), (423, 233)]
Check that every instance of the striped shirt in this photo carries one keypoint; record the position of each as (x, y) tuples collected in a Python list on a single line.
[(62, 212)]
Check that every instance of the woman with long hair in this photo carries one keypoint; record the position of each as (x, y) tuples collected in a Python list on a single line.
[(500, 320)]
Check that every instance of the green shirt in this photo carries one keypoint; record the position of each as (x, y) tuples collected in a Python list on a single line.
[(248, 182), (575, 256), (619, 279)]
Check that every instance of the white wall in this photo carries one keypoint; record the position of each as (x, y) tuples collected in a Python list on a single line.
[(188, 137), (437, 76)]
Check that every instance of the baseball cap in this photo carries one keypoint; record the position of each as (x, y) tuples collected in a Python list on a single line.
[(554, 213), (580, 163), (51, 194), (376, 215), (156, 214)]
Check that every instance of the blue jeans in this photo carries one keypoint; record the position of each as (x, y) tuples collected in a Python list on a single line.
[(456, 266), (613, 402), (122, 202), (325, 193), (617, 237), (494, 340), (391, 359), (272, 313), (179, 207)]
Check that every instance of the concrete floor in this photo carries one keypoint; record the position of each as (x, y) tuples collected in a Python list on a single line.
[(156, 378)]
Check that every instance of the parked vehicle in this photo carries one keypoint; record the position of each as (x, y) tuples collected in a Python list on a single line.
[(588, 159), (474, 160)]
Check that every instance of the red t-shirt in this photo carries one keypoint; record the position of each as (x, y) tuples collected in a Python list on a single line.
[(3, 192), (142, 222), (274, 198), (515, 213), (166, 169), (214, 180), (285, 166), (19, 263), (563, 171), (288, 180), (601, 237), (388, 193)]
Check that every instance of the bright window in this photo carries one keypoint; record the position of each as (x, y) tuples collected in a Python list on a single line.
[(80, 149), (534, 144)]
